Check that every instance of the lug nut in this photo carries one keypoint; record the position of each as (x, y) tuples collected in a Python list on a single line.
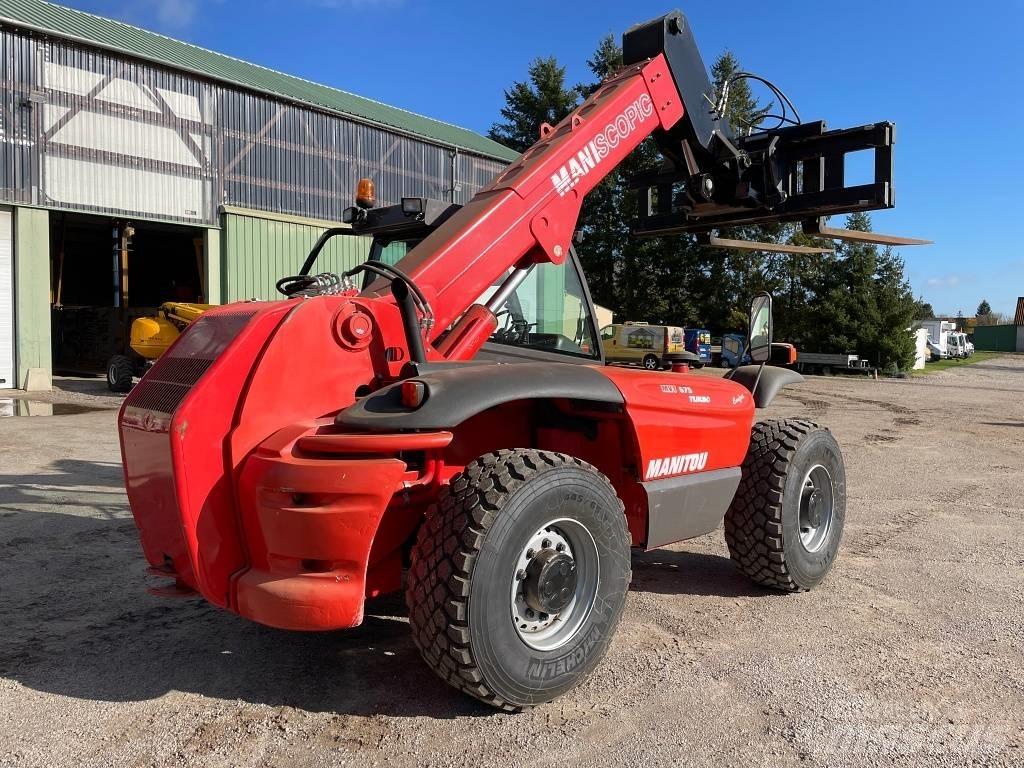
[(520, 574), (529, 613), (546, 543), (543, 617), (530, 553), (560, 547)]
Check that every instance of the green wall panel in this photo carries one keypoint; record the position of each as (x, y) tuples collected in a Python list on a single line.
[(31, 291), (258, 251), (996, 338)]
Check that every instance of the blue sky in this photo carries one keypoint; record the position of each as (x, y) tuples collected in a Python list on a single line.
[(948, 74)]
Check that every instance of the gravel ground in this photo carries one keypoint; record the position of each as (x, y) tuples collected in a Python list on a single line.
[(911, 653)]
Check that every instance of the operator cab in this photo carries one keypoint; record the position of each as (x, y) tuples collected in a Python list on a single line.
[(549, 315)]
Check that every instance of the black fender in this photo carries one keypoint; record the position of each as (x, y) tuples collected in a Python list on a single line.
[(772, 380), (457, 392)]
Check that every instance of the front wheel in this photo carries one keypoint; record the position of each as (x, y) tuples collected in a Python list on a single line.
[(652, 363), (786, 520), (119, 373), (519, 577)]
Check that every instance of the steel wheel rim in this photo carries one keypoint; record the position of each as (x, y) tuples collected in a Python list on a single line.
[(817, 506), (554, 631)]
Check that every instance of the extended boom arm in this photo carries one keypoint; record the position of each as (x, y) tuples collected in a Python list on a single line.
[(709, 179)]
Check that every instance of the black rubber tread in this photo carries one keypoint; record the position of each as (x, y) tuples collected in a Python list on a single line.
[(438, 584), (753, 524), (119, 373)]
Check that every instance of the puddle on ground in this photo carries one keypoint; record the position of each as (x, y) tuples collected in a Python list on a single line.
[(18, 406)]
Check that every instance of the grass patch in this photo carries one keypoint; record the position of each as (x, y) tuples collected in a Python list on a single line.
[(942, 365)]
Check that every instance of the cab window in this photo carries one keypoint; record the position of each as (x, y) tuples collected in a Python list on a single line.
[(548, 311), (393, 252)]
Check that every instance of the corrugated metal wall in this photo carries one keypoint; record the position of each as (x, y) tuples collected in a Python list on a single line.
[(258, 251), (995, 338), (88, 130), (16, 130)]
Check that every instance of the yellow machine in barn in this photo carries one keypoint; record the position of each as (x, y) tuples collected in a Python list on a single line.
[(150, 337)]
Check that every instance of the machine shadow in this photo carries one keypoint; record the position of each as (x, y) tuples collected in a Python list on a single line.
[(667, 571), (78, 622)]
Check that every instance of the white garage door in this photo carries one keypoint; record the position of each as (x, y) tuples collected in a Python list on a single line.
[(6, 303)]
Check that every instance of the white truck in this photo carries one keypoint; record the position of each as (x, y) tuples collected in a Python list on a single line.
[(938, 337), (957, 345)]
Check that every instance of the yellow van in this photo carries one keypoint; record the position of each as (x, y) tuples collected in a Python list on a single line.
[(652, 346)]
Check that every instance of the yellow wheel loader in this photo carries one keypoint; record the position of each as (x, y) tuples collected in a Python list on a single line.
[(150, 337)]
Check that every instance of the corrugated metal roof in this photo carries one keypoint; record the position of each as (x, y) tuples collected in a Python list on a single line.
[(84, 27), (1019, 318)]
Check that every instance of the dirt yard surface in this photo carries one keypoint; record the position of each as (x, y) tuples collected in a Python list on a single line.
[(911, 653)]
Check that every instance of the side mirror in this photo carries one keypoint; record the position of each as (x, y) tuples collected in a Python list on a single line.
[(760, 333)]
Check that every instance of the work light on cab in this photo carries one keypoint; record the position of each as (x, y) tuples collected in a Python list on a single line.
[(412, 206)]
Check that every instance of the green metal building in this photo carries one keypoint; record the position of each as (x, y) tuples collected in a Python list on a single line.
[(137, 169)]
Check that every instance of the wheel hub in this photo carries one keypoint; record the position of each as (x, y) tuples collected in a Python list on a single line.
[(817, 501), (814, 509), (554, 584), (550, 581)]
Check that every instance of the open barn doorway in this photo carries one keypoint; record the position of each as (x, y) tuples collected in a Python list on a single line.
[(107, 271)]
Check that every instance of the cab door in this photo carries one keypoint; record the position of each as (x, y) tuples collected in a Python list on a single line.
[(549, 316)]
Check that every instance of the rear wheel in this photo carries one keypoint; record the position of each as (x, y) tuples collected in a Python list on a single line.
[(119, 373), (652, 363), (519, 577), (786, 520)]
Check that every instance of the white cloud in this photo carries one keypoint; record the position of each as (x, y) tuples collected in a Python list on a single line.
[(944, 281), (175, 13), (162, 15)]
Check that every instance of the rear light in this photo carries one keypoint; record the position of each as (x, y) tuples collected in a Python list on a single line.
[(413, 393)]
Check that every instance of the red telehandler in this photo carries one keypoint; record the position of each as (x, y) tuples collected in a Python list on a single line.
[(451, 416)]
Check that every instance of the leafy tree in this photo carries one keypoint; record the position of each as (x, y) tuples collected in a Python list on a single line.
[(543, 98), (995, 318), (603, 224), (984, 308), (845, 302), (892, 346), (924, 310), (627, 275), (743, 109), (863, 303)]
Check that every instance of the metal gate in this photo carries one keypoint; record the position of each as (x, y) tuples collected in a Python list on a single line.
[(6, 302)]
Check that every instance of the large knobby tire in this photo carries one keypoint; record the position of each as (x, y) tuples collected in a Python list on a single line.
[(119, 373), (786, 521), (468, 564)]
